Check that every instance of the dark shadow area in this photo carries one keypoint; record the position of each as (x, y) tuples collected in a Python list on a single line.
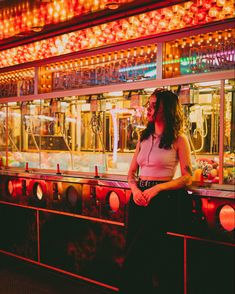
[(20, 277)]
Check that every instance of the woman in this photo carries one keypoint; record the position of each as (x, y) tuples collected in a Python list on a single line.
[(155, 196)]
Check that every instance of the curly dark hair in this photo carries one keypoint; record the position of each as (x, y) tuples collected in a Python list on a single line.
[(173, 118)]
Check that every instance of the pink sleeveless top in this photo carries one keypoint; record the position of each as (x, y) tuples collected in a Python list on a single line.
[(154, 161)]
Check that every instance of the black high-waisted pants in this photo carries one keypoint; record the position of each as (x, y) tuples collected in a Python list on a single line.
[(147, 265)]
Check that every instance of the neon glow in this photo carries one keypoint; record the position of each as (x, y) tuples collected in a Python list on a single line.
[(142, 66)]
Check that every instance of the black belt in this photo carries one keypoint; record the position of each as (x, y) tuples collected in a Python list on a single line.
[(147, 183)]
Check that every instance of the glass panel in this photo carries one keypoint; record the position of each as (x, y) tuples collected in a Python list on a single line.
[(30, 130), (15, 158), (17, 83), (134, 64), (201, 105), (85, 132), (229, 133), (3, 139), (199, 54), (74, 133), (57, 138)]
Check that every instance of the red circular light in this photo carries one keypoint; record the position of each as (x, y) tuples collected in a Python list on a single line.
[(39, 192), (227, 217), (10, 187), (114, 202), (72, 196)]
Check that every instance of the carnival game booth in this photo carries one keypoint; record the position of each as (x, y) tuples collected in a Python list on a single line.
[(72, 107)]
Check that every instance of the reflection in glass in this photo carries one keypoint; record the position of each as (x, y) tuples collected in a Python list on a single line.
[(210, 52), (133, 64), (229, 133)]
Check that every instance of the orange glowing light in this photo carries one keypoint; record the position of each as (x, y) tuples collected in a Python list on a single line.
[(227, 218), (146, 24), (18, 18), (114, 202)]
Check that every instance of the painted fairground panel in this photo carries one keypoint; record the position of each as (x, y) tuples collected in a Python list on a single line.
[(18, 231), (202, 53), (87, 248)]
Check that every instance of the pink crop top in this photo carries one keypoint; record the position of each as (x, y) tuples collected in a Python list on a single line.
[(154, 161)]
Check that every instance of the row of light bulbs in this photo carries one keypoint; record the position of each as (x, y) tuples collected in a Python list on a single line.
[(146, 24), (142, 51), (77, 63), (17, 75), (24, 17), (218, 36)]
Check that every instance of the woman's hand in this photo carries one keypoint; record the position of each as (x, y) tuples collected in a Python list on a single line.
[(150, 193), (139, 198)]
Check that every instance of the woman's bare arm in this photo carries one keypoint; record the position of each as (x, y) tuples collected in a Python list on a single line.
[(132, 173), (132, 181), (183, 150)]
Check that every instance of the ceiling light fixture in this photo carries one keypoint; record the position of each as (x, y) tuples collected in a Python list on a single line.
[(45, 1), (37, 29), (112, 4)]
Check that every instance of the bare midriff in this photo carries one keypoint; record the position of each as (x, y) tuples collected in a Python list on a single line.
[(148, 178)]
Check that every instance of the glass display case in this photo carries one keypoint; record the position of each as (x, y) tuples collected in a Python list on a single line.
[(202, 108), (17, 83), (81, 132), (124, 66), (55, 119), (76, 132), (229, 134), (73, 99), (202, 53)]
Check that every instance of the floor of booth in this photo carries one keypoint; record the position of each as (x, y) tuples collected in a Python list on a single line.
[(20, 277)]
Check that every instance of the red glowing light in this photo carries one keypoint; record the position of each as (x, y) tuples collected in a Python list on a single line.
[(72, 196), (145, 24), (10, 187), (114, 202), (39, 192), (227, 217)]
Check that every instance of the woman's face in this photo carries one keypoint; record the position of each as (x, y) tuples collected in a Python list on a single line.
[(151, 109)]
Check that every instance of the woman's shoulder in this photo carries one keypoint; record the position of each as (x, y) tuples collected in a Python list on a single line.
[(181, 140)]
